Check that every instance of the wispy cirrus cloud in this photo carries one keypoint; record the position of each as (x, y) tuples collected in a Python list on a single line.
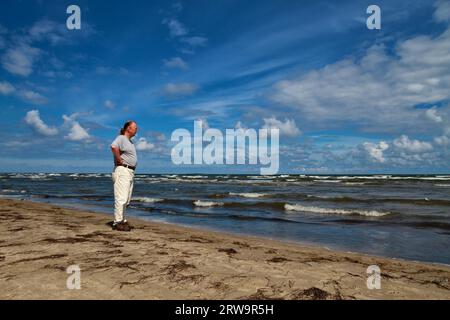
[(178, 31), (27, 95), (32, 96), (176, 63)]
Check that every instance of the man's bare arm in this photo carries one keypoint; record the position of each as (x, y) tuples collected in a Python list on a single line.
[(117, 158)]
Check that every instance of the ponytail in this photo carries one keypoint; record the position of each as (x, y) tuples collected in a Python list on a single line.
[(125, 127)]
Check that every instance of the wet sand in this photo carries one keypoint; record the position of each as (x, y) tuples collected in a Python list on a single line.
[(161, 261)]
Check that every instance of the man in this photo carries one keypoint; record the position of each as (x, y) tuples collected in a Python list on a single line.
[(125, 160)]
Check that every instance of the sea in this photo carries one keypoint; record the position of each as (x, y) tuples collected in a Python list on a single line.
[(396, 216)]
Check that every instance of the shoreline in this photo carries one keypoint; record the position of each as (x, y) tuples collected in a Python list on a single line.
[(341, 250), (158, 260)]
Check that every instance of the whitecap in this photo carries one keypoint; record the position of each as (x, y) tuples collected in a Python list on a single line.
[(147, 199), (200, 203), (248, 194), (298, 207)]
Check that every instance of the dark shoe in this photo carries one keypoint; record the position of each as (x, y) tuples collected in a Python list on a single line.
[(121, 226), (129, 225)]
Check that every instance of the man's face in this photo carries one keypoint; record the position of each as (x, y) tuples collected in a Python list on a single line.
[(132, 129)]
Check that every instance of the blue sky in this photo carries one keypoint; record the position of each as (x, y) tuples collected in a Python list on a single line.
[(345, 98)]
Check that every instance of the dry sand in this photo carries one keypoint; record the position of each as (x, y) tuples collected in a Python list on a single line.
[(161, 261)]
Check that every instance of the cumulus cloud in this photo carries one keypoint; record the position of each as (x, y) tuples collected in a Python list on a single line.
[(143, 145), (175, 63), (413, 146), (179, 89), (34, 121), (6, 88), (375, 150), (287, 128), (433, 115), (442, 140), (377, 92), (76, 131)]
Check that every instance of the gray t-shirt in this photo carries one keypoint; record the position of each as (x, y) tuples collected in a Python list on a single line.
[(127, 150)]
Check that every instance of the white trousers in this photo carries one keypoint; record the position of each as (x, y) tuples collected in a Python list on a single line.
[(123, 187)]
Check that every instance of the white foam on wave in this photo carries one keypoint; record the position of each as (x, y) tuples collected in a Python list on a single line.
[(13, 191), (320, 197), (195, 177), (200, 203), (248, 194), (147, 199), (298, 207), (442, 185)]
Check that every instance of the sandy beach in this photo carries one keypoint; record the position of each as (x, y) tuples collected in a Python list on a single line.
[(162, 261)]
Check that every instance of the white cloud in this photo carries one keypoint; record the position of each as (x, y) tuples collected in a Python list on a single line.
[(176, 62), (144, 145), (287, 128), (414, 146), (176, 28), (47, 29), (375, 151), (6, 88), (377, 92), (109, 104), (442, 140), (32, 96), (77, 133), (433, 116), (442, 12), (179, 89), (33, 120), (179, 32), (195, 41), (19, 60)]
